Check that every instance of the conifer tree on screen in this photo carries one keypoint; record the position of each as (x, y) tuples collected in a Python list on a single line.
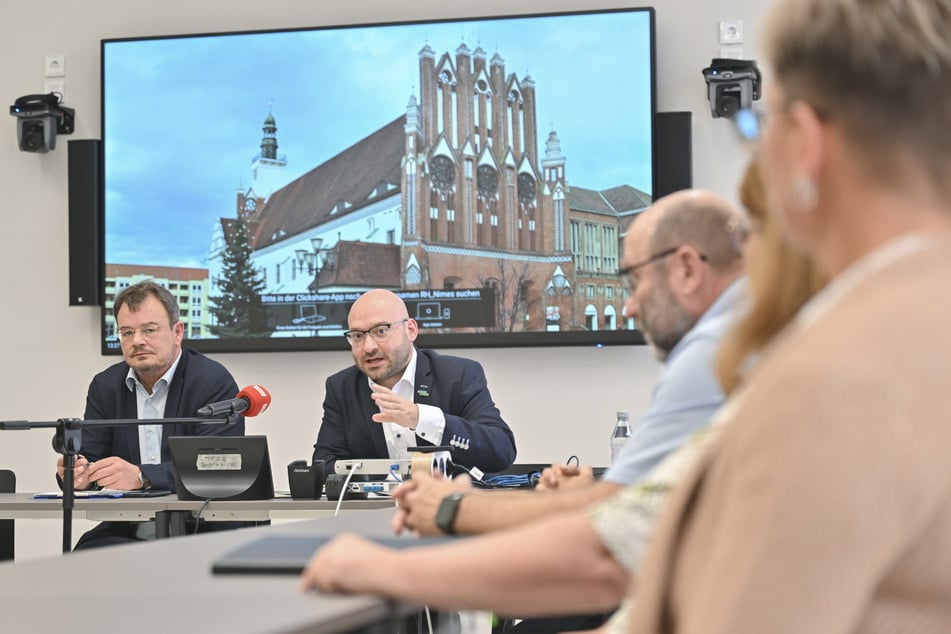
[(238, 310)]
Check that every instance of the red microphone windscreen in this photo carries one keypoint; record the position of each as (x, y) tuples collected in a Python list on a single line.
[(258, 398)]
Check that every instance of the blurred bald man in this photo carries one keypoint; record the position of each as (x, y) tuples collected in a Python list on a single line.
[(682, 267), (396, 396)]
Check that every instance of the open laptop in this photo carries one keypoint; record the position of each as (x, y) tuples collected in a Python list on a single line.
[(288, 554), (221, 467)]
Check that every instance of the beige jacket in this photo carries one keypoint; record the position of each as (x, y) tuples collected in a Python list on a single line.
[(825, 505)]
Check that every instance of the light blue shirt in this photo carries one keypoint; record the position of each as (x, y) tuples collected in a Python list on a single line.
[(686, 394), (150, 436), (151, 406)]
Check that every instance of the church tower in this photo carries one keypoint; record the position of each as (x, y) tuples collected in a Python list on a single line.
[(267, 173), (268, 167)]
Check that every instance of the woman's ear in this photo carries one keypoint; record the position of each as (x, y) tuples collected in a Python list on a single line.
[(807, 143)]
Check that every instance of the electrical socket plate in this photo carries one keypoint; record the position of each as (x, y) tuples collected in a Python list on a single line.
[(731, 32), (55, 66), (731, 52), (57, 86)]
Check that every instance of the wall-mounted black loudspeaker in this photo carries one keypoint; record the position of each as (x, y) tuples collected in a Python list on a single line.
[(85, 218), (673, 150)]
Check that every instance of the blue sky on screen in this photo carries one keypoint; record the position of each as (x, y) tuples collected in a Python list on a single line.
[(184, 115)]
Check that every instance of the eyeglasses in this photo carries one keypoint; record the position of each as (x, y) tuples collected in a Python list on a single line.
[(148, 331), (626, 274), (749, 124), (379, 332)]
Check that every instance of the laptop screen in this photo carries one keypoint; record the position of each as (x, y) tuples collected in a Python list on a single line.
[(221, 467)]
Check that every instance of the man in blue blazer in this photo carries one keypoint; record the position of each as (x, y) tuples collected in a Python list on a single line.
[(396, 396), (156, 379)]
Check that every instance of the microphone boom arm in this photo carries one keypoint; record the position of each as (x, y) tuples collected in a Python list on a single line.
[(229, 419), (68, 440)]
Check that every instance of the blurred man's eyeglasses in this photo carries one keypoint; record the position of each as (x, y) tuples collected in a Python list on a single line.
[(148, 331), (627, 273), (379, 332)]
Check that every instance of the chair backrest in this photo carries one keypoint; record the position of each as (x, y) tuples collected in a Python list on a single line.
[(8, 484)]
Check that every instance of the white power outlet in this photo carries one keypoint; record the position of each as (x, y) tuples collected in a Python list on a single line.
[(55, 66), (731, 32)]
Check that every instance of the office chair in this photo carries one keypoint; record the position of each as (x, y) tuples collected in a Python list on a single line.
[(8, 484)]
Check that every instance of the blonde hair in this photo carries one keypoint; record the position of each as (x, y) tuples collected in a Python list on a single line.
[(780, 280), (879, 69)]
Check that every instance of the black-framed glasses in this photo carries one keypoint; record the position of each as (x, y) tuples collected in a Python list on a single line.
[(379, 332), (626, 274)]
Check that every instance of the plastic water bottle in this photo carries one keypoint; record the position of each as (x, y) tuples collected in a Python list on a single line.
[(620, 435)]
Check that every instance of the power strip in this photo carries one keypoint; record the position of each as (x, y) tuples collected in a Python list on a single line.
[(381, 466), (360, 486), (433, 461)]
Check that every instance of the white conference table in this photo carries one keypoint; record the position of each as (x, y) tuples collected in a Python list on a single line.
[(167, 586), (171, 513)]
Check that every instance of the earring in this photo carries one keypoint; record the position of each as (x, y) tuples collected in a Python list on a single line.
[(806, 194)]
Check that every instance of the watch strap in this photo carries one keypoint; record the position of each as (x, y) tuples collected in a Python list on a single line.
[(447, 512), (144, 480)]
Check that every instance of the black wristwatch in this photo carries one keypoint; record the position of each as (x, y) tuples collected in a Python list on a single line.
[(447, 511), (144, 480)]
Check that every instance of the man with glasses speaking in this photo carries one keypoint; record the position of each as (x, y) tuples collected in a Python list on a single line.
[(396, 396), (156, 379)]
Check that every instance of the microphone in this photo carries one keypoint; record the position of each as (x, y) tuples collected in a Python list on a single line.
[(251, 400)]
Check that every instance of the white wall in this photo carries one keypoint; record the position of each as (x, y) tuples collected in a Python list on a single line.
[(559, 401)]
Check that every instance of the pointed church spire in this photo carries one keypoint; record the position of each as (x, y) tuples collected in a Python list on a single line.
[(269, 141)]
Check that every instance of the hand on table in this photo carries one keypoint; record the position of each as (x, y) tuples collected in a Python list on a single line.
[(349, 563), (80, 471), (419, 498), (563, 476), (115, 473)]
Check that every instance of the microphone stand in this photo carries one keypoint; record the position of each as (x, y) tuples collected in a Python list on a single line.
[(68, 441)]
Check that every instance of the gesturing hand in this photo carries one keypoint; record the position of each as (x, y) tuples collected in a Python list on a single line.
[(394, 408)]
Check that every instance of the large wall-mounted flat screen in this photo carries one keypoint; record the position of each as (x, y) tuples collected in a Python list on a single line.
[(484, 169)]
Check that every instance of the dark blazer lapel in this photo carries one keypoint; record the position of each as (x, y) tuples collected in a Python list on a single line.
[(423, 383), (176, 387), (173, 402)]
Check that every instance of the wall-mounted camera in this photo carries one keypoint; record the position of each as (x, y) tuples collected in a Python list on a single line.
[(39, 119), (732, 85)]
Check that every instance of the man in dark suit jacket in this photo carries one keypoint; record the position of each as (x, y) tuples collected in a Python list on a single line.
[(157, 379), (396, 396)]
